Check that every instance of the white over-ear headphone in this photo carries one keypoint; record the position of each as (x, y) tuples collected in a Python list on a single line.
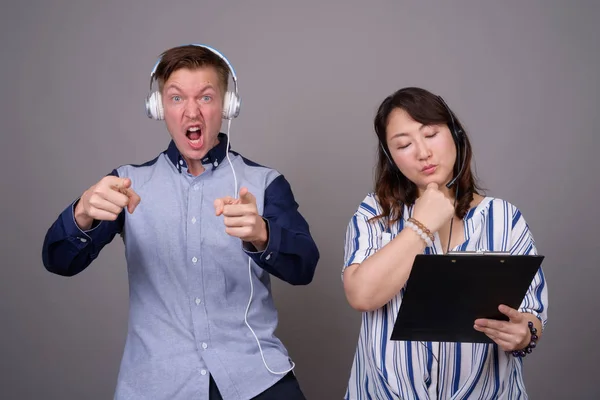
[(231, 102)]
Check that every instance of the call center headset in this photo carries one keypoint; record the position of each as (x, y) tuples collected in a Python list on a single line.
[(458, 135), (231, 102), (231, 109)]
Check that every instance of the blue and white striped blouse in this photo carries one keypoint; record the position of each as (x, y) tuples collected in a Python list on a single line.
[(384, 369)]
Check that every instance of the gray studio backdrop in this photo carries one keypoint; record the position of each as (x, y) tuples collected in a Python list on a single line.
[(522, 75)]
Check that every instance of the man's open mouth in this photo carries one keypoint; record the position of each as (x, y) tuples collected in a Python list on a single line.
[(193, 134)]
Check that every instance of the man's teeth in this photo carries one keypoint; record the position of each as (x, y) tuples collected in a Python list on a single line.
[(194, 129), (195, 141)]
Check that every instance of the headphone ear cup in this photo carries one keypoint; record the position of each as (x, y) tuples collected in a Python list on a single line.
[(154, 108), (226, 105), (231, 106)]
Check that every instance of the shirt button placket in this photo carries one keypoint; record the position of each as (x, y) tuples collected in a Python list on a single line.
[(194, 264)]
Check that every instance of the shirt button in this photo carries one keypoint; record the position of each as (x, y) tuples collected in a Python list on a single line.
[(203, 372), (195, 187), (198, 301), (204, 345), (193, 220), (180, 162), (216, 163), (194, 260), (83, 240), (268, 257)]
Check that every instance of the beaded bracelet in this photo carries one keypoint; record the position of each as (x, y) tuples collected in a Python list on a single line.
[(532, 343), (422, 227), (424, 233)]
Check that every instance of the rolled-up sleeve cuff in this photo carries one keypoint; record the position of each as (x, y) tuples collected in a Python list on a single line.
[(537, 314)]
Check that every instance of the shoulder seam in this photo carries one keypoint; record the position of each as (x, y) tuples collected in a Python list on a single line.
[(146, 164), (249, 162)]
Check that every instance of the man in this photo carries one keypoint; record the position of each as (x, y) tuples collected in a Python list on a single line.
[(196, 318)]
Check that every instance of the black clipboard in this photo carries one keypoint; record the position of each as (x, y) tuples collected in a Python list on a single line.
[(445, 294)]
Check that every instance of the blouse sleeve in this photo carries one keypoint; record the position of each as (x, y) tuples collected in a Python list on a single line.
[(363, 235), (522, 243)]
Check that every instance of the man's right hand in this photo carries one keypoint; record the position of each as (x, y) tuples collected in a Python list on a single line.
[(433, 209), (105, 200)]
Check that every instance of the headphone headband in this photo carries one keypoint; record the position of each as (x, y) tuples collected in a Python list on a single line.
[(459, 137), (456, 129), (231, 104), (218, 53)]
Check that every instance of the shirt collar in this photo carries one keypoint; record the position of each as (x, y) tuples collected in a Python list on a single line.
[(214, 156)]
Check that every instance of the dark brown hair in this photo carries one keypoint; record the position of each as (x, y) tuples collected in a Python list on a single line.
[(191, 57), (392, 188)]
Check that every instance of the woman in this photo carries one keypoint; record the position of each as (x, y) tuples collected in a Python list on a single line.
[(426, 200)]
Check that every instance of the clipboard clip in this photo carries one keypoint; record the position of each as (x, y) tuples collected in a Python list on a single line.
[(479, 252)]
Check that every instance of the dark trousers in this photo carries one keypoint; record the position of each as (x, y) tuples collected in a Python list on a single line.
[(286, 388)]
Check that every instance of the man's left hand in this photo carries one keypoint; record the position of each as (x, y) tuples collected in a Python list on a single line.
[(242, 220)]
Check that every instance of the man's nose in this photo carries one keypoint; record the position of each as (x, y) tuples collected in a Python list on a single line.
[(192, 111)]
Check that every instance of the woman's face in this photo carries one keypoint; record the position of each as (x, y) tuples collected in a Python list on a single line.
[(424, 154)]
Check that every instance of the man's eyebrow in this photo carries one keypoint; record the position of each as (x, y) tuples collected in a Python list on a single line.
[(176, 87)]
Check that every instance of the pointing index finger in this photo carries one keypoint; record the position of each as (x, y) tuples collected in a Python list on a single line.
[(221, 203), (134, 200)]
